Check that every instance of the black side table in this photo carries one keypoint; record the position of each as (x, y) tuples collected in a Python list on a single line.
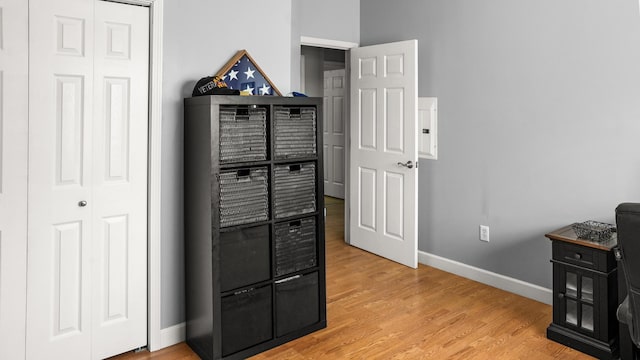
[(585, 294)]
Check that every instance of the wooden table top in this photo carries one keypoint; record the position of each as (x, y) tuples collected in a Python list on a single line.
[(567, 234)]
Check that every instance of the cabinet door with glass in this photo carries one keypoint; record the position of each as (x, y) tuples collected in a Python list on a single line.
[(577, 295)]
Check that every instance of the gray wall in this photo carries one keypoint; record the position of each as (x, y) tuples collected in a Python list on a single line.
[(199, 37), (539, 120), (330, 19)]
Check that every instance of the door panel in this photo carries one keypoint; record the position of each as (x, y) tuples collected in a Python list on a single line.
[(384, 125), (334, 112), (367, 199), (325, 162), (394, 121), (116, 239), (67, 278), (338, 165), (393, 201), (13, 175), (367, 119), (117, 128), (70, 137), (338, 111)]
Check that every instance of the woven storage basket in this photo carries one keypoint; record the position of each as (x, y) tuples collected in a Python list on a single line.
[(295, 132), (243, 134), (295, 245), (244, 196), (295, 189)]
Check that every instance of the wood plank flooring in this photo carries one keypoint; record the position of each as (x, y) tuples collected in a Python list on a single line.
[(377, 309)]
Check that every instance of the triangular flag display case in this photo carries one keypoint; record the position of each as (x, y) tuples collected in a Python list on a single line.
[(242, 73)]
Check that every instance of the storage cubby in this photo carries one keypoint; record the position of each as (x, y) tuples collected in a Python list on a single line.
[(246, 319), (294, 189), (244, 196), (254, 223), (243, 134), (297, 303), (244, 257), (295, 132), (295, 246)]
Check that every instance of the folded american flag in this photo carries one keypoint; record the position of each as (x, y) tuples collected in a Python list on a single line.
[(245, 76)]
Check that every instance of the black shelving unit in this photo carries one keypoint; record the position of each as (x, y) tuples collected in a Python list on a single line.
[(254, 223)]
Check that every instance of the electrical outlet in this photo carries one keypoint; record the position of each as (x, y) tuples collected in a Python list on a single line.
[(484, 233)]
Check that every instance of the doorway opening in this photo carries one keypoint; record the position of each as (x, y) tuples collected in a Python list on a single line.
[(324, 76), (324, 73)]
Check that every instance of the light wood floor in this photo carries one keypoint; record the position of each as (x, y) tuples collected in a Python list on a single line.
[(377, 309)]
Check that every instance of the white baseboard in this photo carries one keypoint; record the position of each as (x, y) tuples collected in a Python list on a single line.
[(506, 283), (172, 335)]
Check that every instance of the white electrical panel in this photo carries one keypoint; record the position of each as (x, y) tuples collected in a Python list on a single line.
[(428, 127)]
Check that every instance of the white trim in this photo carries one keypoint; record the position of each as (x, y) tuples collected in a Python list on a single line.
[(327, 43), (506, 283), (155, 175), (347, 147), (154, 300), (172, 335), (135, 2), (303, 73)]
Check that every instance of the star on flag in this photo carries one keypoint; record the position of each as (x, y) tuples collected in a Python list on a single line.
[(265, 90), (249, 73), (233, 74)]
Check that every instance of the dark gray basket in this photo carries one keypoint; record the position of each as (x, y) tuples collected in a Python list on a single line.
[(297, 303), (244, 196), (294, 189), (295, 246), (594, 230), (246, 319), (295, 132), (243, 134)]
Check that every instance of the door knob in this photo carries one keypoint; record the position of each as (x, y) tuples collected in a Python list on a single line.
[(408, 164), (82, 203)]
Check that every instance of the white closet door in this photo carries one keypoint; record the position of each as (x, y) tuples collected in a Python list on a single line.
[(13, 176), (87, 179), (119, 205), (60, 148)]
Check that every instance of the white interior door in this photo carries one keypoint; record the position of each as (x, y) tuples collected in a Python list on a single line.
[(13, 176), (119, 167), (59, 243), (383, 151), (334, 127), (86, 286)]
